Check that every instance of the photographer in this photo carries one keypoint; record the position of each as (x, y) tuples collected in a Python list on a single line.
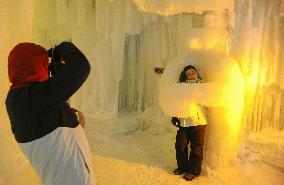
[(45, 127)]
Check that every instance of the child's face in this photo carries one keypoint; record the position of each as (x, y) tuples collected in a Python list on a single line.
[(191, 74)]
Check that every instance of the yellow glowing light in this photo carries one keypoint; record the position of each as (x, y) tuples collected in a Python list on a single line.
[(195, 43), (192, 108), (211, 43)]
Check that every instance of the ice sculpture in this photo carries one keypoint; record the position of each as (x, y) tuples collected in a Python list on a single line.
[(222, 93), (223, 87)]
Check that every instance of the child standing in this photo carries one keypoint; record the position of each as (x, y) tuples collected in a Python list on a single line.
[(191, 130)]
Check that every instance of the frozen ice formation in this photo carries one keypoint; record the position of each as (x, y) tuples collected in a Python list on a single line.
[(169, 7), (223, 87), (222, 93)]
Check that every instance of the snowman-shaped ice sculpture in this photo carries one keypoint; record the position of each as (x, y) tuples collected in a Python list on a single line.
[(222, 93)]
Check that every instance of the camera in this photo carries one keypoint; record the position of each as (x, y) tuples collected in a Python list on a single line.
[(56, 62)]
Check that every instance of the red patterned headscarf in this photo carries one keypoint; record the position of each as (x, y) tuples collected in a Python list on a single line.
[(27, 62)]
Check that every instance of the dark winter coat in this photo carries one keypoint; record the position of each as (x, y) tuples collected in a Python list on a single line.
[(38, 108)]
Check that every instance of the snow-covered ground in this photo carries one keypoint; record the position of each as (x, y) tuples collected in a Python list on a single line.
[(136, 150), (131, 149)]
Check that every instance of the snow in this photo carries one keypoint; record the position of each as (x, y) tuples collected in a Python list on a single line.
[(131, 138), (134, 149)]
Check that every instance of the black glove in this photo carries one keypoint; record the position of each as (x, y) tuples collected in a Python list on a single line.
[(55, 64), (175, 121)]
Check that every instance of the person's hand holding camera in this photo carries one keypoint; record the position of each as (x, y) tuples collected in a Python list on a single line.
[(56, 61)]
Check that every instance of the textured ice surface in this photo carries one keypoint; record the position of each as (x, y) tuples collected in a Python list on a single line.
[(222, 93), (223, 87), (123, 46), (168, 7)]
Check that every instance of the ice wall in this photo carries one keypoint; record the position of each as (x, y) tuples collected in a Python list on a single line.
[(15, 28), (114, 36), (162, 40), (10, 35), (98, 27), (256, 44), (124, 45), (256, 39), (170, 7)]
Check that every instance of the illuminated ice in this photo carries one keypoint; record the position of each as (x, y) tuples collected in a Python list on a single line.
[(124, 40)]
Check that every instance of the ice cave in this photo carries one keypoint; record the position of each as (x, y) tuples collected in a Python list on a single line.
[(137, 50)]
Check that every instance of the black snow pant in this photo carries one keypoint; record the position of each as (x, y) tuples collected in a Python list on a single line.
[(193, 162)]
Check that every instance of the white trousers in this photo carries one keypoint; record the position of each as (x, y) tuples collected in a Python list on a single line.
[(62, 157)]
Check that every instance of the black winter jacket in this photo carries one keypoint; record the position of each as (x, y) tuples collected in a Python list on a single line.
[(38, 108)]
